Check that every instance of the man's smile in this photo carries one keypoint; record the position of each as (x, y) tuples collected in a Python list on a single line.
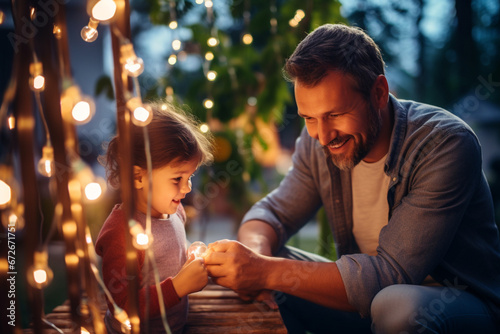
[(338, 143)]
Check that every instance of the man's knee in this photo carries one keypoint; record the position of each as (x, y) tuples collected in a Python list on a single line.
[(393, 310)]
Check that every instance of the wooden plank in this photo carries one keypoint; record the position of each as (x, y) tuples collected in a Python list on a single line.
[(207, 301), (214, 294), (212, 310), (240, 308), (231, 330)]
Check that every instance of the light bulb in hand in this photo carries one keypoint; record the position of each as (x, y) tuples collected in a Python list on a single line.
[(197, 248)]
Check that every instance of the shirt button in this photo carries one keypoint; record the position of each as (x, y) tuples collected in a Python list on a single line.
[(394, 179)]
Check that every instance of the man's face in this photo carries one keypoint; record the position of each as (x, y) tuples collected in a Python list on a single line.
[(337, 116)]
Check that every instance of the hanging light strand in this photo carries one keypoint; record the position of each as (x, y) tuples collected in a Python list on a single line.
[(274, 21), (247, 38), (173, 15)]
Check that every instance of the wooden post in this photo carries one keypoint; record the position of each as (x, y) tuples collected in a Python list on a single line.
[(120, 29)]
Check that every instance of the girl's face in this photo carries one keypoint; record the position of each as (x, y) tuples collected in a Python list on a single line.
[(170, 185)]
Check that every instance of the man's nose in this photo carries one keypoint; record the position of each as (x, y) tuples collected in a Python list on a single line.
[(325, 133)]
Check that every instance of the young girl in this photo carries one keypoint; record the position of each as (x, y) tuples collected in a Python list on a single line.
[(177, 149)]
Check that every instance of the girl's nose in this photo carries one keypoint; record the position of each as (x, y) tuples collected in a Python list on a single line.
[(186, 187)]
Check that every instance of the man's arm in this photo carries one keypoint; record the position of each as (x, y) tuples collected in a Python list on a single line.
[(240, 268), (259, 236)]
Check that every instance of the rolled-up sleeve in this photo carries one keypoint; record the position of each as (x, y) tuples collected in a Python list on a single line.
[(444, 171)]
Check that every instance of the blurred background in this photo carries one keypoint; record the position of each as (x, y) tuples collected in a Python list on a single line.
[(222, 61)]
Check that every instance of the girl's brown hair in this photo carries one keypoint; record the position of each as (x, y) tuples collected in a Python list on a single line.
[(174, 136)]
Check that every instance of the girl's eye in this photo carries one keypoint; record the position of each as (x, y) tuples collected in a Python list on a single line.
[(177, 179)]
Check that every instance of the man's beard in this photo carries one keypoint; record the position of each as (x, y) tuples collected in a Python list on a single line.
[(347, 161)]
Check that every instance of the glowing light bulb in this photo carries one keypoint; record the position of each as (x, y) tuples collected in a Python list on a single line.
[(46, 163), (13, 218), (176, 44), (209, 56), (37, 80), (93, 191), (197, 248), (40, 275), (2, 17), (104, 10), (252, 101), (212, 41), (89, 32), (293, 23), (204, 128), (140, 239), (299, 14), (141, 114), (173, 25), (123, 319), (81, 111), (209, 4), (172, 59), (77, 108), (11, 122), (208, 104), (57, 31), (199, 2), (247, 39), (211, 75), (5, 194), (132, 65), (164, 107)]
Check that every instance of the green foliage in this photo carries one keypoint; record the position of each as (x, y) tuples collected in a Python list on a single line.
[(243, 71), (104, 86)]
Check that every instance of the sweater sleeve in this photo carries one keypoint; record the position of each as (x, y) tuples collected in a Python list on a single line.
[(110, 245)]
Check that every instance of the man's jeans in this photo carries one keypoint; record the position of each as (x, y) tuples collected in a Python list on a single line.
[(401, 309)]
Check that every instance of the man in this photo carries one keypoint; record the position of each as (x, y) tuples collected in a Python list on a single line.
[(403, 189)]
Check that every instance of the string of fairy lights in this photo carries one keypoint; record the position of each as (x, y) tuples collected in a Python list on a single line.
[(76, 109)]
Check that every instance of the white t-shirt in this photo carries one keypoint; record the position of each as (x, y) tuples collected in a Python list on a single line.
[(370, 210)]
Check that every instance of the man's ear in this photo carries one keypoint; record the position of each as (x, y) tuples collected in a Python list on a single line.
[(380, 92), (138, 177)]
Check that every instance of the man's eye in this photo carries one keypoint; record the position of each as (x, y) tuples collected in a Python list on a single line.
[(334, 115)]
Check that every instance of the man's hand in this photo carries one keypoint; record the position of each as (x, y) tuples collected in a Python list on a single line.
[(235, 266), (265, 296)]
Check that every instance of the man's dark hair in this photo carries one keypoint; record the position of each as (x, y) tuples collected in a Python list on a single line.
[(336, 47)]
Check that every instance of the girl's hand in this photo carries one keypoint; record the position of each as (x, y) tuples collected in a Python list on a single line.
[(192, 277)]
